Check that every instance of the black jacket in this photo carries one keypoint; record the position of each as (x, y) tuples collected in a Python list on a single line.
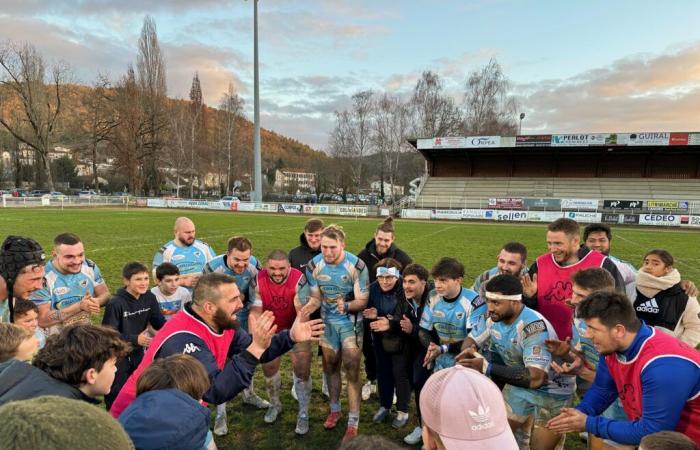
[(301, 255), (665, 309), (404, 307), (370, 257), (22, 381), (130, 316)]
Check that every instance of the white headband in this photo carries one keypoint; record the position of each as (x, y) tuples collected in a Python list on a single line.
[(496, 296), (388, 272)]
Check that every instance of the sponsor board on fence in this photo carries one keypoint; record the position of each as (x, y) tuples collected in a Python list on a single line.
[(351, 210), (579, 203), (694, 139), (510, 216), (316, 209), (449, 214), (678, 139), (584, 217), (469, 214), (660, 219), (544, 203), (156, 203), (506, 203), (288, 208), (610, 218), (693, 221), (665, 205), (246, 206), (623, 204), (643, 138), (578, 140), (630, 219), (416, 213), (534, 140), (544, 216)]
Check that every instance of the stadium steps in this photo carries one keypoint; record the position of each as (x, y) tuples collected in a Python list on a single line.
[(474, 192)]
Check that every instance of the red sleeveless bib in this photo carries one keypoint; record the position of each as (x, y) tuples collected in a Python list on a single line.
[(279, 298)]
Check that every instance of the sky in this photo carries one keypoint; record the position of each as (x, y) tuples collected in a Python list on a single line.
[(574, 66)]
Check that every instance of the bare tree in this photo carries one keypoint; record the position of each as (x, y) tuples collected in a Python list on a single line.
[(195, 125), (391, 127), (351, 138), (99, 119), (435, 113), (179, 140), (232, 106), (23, 80), (150, 65), (488, 107)]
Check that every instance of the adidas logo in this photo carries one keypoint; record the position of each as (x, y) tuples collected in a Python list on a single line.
[(483, 417), (649, 306)]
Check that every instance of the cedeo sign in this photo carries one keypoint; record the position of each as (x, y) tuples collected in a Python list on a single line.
[(660, 219)]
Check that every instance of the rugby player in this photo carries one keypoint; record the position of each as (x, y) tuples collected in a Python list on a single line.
[(21, 272), (516, 335), (333, 276), (238, 263), (187, 253), (451, 312), (284, 290), (511, 260), (74, 287), (547, 287)]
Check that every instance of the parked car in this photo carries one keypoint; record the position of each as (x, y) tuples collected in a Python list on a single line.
[(230, 198), (87, 194), (38, 193)]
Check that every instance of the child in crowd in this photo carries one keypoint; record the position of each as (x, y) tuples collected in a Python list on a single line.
[(170, 295), (79, 363), (16, 342), (661, 301), (174, 384), (27, 317), (132, 309)]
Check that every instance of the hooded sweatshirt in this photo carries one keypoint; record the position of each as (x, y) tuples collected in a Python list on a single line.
[(301, 255), (661, 302), (166, 419), (370, 256)]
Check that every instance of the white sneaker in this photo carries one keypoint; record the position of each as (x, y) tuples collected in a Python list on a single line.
[(414, 436), (272, 413), (367, 390), (256, 401), (302, 425), (220, 425)]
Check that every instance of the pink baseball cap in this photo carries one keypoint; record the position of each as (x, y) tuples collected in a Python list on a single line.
[(465, 407)]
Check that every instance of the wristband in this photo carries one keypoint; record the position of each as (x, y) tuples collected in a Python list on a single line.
[(347, 307), (443, 348)]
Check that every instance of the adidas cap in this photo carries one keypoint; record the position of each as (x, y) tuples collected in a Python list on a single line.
[(467, 410)]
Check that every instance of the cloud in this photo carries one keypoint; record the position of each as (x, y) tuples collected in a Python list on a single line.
[(101, 7), (636, 93)]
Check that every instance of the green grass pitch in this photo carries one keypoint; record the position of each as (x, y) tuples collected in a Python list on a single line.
[(115, 236)]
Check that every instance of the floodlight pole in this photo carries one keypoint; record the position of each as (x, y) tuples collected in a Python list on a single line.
[(520, 126), (256, 110)]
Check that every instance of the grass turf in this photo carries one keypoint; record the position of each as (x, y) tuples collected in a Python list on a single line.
[(113, 237)]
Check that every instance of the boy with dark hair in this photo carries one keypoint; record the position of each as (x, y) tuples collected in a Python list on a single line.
[(451, 312), (656, 376), (170, 295), (78, 363), (130, 312), (511, 259), (27, 317)]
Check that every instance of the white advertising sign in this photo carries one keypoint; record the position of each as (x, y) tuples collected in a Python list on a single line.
[(660, 219), (510, 216), (449, 214), (584, 217), (352, 210), (544, 216), (460, 142), (643, 138), (579, 203), (416, 213)]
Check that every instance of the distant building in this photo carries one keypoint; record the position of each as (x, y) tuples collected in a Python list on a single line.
[(389, 190), (295, 180)]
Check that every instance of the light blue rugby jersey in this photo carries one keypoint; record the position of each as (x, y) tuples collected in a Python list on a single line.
[(245, 280), (452, 320), (581, 342), (62, 290), (170, 305), (522, 344), (189, 260), (332, 280)]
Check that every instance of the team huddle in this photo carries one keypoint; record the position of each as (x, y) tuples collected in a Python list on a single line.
[(499, 365)]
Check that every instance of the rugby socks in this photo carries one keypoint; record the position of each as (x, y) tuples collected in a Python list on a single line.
[(335, 407), (250, 390), (221, 410), (354, 419), (303, 388), (273, 385)]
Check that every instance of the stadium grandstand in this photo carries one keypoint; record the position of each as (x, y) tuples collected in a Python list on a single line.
[(623, 171)]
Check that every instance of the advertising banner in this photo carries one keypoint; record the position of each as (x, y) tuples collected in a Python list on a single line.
[(459, 142), (678, 139), (448, 214), (623, 204), (416, 213), (693, 221), (630, 219), (544, 216), (694, 139), (665, 205), (288, 208), (584, 217), (644, 138), (342, 210), (578, 140), (246, 206), (590, 204), (610, 218), (316, 209), (510, 216), (468, 214), (156, 203), (543, 203), (506, 203), (534, 140), (660, 219)]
